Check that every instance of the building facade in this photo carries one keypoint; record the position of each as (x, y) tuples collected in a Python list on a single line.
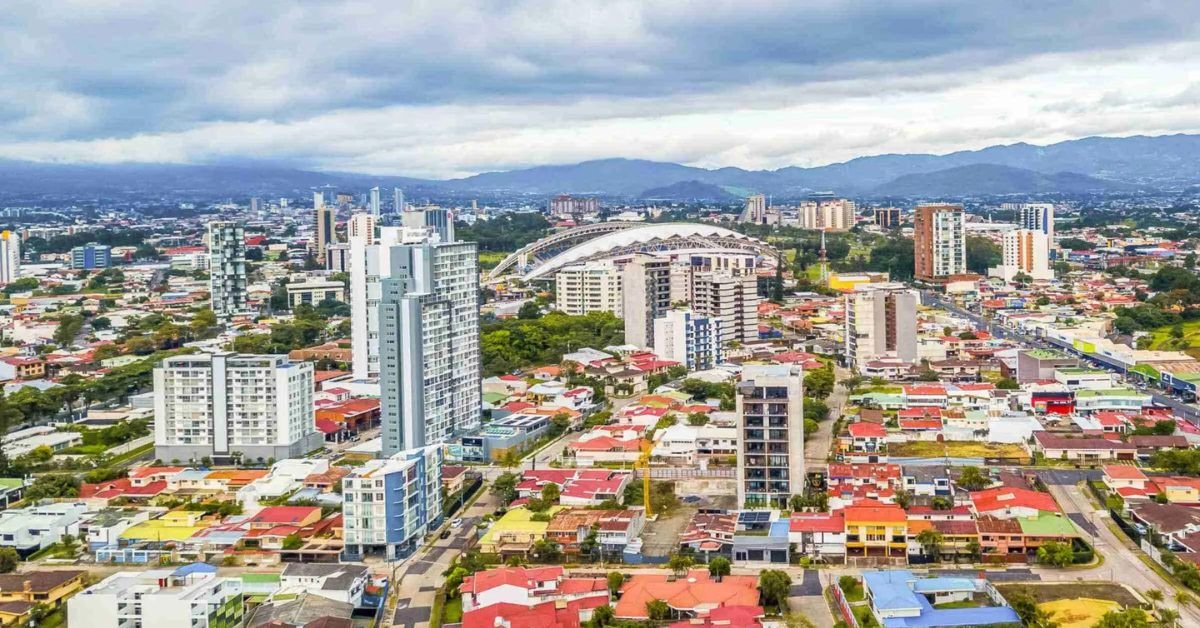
[(881, 321), (91, 256), (314, 292), (391, 504), (227, 268), (1037, 217), (688, 338), (325, 224), (770, 435), (827, 214), (159, 598), (646, 282), (566, 205), (887, 217), (589, 287), (939, 242), (1026, 251), (10, 257), (755, 210), (226, 404)]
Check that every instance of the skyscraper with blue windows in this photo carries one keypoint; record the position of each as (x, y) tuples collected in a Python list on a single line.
[(91, 256)]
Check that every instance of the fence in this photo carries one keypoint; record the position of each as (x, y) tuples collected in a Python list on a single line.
[(839, 600)]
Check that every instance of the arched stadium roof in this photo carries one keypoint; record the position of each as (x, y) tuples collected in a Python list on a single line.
[(651, 238)]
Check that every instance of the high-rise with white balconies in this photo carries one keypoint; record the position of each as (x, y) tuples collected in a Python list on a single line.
[(227, 268), (770, 435)]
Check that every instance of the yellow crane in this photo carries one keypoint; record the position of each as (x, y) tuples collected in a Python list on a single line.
[(643, 463)]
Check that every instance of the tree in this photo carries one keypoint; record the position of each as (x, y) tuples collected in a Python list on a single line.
[(974, 550), (775, 586), (455, 579), (657, 610), (505, 487), (1128, 618), (982, 254), (68, 543), (816, 410), (680, 563), (9, 559), (547, 551), (602, 616), (719, 567), (903, 499), (931, 541), (819, 383), (1055, 554), (1025, 605), (615, 580), (973, 479), (69, 326), (550, 493), (292, 542), (1007, 383), (697, 419), (1155, 596), (529, 311)]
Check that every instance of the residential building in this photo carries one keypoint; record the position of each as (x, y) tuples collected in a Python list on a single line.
[(233, 405), (373, 202), (939, 242), (771, 435), (227, 268), (48, 588), (338, 582), (314, 292), (428, 342), (755, 210), (325, 217), (566, 205), (1038, 365), (30, 529), (820, 535), (397, 201), (729, 297), (646, 282), (430, 219), (690, 339), (192, 595), (876, 530), (529, 587), (881, 322), (10, 256), (589, 287), (362, 226), (1038, 217), (827, 214), (887, 217), (337, 258), (1025, 252), (91, 256), (899, 598), (391, 504), (686, 596)]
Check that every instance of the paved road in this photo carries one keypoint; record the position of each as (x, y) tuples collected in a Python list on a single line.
[(817, 447)]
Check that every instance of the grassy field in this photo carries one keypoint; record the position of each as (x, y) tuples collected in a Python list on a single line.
[(1066, 591), (491, 259), (1162, 339), (957, 449)]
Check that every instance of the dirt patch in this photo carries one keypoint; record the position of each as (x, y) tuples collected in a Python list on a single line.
[(661, 537), (1047, 592)]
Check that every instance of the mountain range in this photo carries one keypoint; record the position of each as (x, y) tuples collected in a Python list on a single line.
[(1093, 164)]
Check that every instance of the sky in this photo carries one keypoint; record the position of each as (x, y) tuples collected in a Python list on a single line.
[(447, 88)]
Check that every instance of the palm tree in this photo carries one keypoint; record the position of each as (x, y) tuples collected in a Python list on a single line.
[(1155, 596), (1182, 598), (931, 540), (1169, 617)]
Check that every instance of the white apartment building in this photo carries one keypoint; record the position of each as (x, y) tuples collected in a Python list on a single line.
[(771, 435), (390, 504), (728, 298), (755, 210), (690, 339), (10, 256), (1025, 251), (219, 405), (1036, 217), (362, 225), (589, 287), (881, 322), (689, 444), (227, 268), (646, 295), (828, 214), (159, 598), (313, 292)]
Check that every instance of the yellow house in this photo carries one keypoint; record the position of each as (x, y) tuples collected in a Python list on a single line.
[(515, 532), (847, 282), (876, 529), (1180, 490), (37, 587), (176, 525)]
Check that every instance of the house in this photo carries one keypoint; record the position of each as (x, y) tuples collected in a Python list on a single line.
[(688, 444), (1128, 481), (1173, 521), (105, 527), (615, 529), (875, 529), (621, 444), (747, 616), (1082, 449), (1010, 503), (338, 582), (899, 598), (28, 530), (710, 534), (523, 587), (49, 588), (761, 537), (930, 481), (820, 536), (687, 597), (555, 614), (865, 442)]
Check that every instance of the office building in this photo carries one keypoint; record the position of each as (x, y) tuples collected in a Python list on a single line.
[(881, 321), (192, 596), (337, 258), (326, 222), (691, 339), (10, 256), (226, 404), (1026, 251), (315, 291), (428, 342), (361, 226), (91, 256), (566, 205), (589, 287), (755, 210), (771, 436), (835, 214), (397, 201), (227, 268), (373, 202), (646, 286), (433, 219), (887, 217), (939, 242), (389, 505)]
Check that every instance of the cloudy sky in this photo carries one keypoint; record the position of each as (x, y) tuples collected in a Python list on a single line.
[(445, 88)]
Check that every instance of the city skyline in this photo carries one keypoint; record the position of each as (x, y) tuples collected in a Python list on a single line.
[(759, 86)]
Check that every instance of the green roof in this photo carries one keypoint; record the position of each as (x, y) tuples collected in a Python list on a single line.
[(1108, 392), (11, 483), (260, 577), (1045, 354), (1079, 370), (1048, 524)]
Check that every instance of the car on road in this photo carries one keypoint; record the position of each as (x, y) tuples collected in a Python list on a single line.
[(445, 533), (456, 522)]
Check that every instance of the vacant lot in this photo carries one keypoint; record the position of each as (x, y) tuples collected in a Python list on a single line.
[(1163, 338), (1066, 591), (956, 449)]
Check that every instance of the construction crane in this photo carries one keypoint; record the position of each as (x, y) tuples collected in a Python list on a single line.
[(643, 463)]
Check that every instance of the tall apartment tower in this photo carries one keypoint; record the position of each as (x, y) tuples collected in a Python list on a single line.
[(435, 219), (411, 508), (939, 242), (755, 210), (770, 439), (221, 405), (589, 287), (887, 217), (227, 268), (722, 286), (1025, 251), (646, 283), (361, 225), (881, 321), (397, 201), (255, 204), (1038, 217), (428, 342), (10, 256), (691, 339), (373, 201), (836, 214), (325, 225)]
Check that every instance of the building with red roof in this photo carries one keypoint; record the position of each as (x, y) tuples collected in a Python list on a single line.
[(529, 587), (734, 616), (819, 535), (697, 593), (271, 516), (1010, 503)]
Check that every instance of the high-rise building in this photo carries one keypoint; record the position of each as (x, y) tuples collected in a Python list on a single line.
[(589, 287), (160, 598), (427, 338), (373, 202), (91, 256), (939, 242), (435, 219), (1038, 217), (566, 205), (225, 404), (397, 201), (1026, 251), (646, 285), (255, 204), (337, 258), (835, 214), (688, 338), (881, 321), (325, 221), (10, 256), (755, 210), (887, 217), (730, 298), (770, 439), (389, 505), (361, 225), (227, 268)]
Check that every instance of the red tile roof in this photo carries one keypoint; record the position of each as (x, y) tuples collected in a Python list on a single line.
[(1123, 472), (1003, 498), (284, 514), (866, 430), (818, 522)]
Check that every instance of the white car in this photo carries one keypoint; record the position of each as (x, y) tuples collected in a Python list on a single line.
[(454, 523)]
